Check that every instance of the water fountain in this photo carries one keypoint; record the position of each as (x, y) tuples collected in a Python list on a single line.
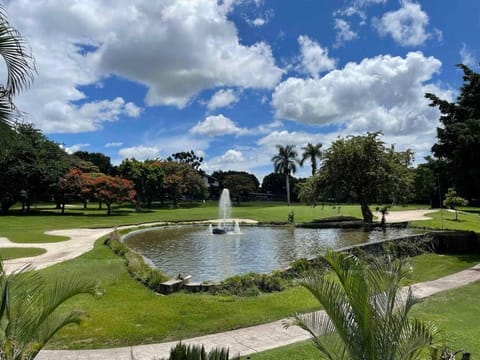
[(224, 215)]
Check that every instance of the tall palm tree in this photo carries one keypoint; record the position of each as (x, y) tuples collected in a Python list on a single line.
[(366, 311), (28, 311), (20, 70), (311, 152), (285, 163)]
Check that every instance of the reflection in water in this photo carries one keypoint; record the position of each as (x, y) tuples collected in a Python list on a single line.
[(195, 251)]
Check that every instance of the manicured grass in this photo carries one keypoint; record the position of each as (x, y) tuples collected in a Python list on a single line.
[(446, 220), (15, 253), (130, 314)]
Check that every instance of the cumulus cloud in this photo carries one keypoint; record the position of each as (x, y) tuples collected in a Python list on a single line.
[(344, 32), (140, 152), (381, 93), (222, 98), (175, 48), (63, 117), (314, 58), (407, 25), (217, 125)]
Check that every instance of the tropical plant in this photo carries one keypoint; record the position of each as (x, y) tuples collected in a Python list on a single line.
[(366, 310), (29, 310), (312, 153), (198, 352), (285, 163), (20, 71), (452, 199)]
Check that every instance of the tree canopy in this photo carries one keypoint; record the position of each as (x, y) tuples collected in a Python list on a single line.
[(364, 169), (311, 152), (458, 141)]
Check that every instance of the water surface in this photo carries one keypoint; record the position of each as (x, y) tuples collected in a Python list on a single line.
[(193, 250)]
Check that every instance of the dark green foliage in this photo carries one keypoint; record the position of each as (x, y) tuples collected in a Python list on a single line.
[(459, 137), (300, 266), (312, 153), (240, 183), (250, 284), (187, 157), (101, 161), (198, 352), (364, 169)]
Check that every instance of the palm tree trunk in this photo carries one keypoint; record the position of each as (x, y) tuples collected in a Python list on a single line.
[(287, 185)]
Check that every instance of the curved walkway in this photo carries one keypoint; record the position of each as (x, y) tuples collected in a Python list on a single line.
[(249, 340)]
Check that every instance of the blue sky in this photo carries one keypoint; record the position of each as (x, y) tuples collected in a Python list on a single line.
[(231, 79)]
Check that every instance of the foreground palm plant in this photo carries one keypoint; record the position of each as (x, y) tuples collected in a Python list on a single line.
[(366, 310), (20, 66), (198, 352), (29, 310)]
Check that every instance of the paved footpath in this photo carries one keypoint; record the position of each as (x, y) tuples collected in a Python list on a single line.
[(249, 340)]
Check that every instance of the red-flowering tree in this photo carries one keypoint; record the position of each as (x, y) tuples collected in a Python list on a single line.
[(111, 190)]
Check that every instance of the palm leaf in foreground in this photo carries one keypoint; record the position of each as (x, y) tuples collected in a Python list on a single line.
[(366, 311), (29, 311)]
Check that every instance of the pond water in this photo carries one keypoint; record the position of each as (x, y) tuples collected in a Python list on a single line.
[(193, 250)]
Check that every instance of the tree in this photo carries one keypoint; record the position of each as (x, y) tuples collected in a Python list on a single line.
[(240, 184), (284, 163), (273, 183), (101, 161), (20, 72), (366, 312), (187, 157), (147, 177), (31, 165), (312, 153), (452, 200), (363, 168), (182, 180), (459, 136), (111, 190), (29, 310)]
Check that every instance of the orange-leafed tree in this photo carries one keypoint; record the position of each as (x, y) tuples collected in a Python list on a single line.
[(111, 190)]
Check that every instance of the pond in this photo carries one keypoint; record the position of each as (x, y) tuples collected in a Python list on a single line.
[(193, 250)]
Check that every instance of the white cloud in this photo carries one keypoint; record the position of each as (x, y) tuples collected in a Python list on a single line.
[(344, 32), (314, 58), (140, 152), (74, 148), (222, 98), (467, 57), (175, 48), (113, 144), (381, 93), (217, 125), (66, 117), (407, 25), (259, 22)]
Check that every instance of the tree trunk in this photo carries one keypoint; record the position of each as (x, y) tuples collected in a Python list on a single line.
[(62, 206), (287, 184), (108, 208), (366, 213), (238, 200), (138, 204)]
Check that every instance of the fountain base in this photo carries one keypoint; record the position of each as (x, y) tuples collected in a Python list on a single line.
[(219, 231)]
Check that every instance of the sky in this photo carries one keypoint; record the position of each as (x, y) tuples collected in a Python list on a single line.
[(232, 79)]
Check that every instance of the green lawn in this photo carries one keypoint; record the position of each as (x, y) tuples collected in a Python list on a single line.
[(446, 220), (130, 314)]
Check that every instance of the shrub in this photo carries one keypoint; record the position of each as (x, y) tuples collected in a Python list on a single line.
[(250, 284), (197, 352)]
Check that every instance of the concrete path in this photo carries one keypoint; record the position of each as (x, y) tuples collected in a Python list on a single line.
[(249, 340)]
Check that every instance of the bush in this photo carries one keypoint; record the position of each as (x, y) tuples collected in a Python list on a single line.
[(250, 284), (197, 352)]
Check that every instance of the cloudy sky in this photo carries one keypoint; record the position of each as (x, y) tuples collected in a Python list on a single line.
[(231, 79)]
